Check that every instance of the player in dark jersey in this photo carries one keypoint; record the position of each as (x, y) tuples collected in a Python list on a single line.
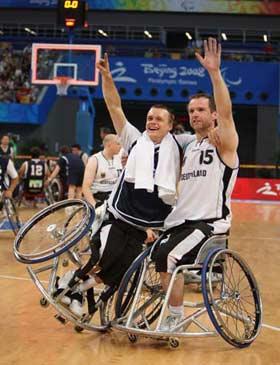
[(76, 149), (207, 180), (70, 169), (34, 173), (8, 177)]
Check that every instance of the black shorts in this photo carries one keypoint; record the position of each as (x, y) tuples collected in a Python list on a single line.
[(76, 179), (124, 244), (180, 245), (64, 186), (101, 196)]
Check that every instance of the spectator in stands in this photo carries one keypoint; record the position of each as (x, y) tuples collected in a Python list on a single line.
[(149, 53), (76, 149), (268, 51), (14, 76), (6, 149)]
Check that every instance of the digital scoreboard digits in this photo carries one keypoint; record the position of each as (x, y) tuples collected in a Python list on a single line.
[(71, 13)]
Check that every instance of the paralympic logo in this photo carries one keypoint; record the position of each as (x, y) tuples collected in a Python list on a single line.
[(228, 81), (119, 73)]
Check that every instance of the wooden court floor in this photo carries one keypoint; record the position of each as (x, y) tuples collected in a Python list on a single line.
[(31, 335)]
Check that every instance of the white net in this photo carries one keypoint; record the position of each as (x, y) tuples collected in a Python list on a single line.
[(62, 85)]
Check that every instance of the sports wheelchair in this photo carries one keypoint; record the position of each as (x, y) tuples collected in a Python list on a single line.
[(50, 194), (230, 298), (8, 210), (57, 239)]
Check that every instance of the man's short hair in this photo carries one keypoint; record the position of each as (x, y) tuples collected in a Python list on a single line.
[(4, 135), (76, 145), (110, 138), (210, 98), (170, 112), (64, 149), (35, 152)]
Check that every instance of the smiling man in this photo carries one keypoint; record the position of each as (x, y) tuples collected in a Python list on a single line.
[(145, 192)]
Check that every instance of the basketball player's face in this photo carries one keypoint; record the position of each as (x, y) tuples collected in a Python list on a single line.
[(201, 117), (115, 147), (158, 124), (75, 151), (5, 140)]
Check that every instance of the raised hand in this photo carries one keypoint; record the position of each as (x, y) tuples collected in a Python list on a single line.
[(212, 55), (103, 66)]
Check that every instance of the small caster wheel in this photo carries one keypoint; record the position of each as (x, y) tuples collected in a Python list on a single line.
[(60, 319), (173, 342), (78, 329), (65, 263), (132, 338), (44, 302)]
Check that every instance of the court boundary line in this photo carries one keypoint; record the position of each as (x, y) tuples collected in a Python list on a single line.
[(273, 328), (10, 277)]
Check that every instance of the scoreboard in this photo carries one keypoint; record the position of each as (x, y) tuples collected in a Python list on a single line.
[(71, 13)]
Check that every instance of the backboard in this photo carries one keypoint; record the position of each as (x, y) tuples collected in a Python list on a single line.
[(65, 65)]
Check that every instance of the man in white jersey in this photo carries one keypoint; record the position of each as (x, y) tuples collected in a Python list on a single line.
[(144, 194), (102, 171), (207, 179)]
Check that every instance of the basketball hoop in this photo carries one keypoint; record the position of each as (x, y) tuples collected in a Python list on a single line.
[(63, 82)]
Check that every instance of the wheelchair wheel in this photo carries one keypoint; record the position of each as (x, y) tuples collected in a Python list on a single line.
[(18, 194), (55, 190), (51, 232), (233, 303), (150, 299), (12, 215), (49, 196)]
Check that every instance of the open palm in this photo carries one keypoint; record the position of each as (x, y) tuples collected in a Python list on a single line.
[(212, 55)]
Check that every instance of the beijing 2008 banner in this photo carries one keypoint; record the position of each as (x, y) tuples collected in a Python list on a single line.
[(267, 7)]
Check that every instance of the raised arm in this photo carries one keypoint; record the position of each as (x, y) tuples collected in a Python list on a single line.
[(227, 132), (111, 95)]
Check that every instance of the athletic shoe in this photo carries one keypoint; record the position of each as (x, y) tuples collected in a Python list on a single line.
[(170, 322), (76, 305)]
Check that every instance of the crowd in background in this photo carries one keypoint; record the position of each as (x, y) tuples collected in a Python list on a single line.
[(15, 83)]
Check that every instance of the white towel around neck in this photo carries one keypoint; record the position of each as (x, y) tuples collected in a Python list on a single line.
[(140, 167)]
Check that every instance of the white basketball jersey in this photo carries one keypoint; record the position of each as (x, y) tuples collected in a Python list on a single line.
[(107, 173), (205, 188)]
